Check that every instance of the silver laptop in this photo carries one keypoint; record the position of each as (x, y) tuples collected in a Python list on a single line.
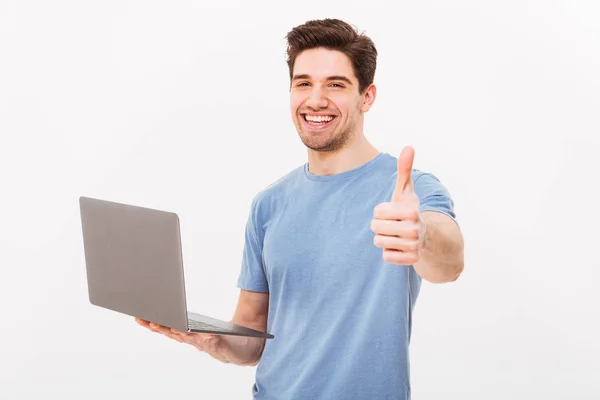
[(134, 265)]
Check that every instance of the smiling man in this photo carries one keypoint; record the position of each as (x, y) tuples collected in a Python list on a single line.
[(336, 250)]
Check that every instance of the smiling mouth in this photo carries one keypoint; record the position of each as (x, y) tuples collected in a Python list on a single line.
[(318, 121)]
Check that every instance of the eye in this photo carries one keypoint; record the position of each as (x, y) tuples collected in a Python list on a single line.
[(337, 85), (302, 84)]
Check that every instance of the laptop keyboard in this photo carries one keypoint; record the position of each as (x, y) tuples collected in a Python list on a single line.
[(192, 324)]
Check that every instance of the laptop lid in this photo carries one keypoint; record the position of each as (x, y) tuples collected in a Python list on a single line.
[(134, 261)]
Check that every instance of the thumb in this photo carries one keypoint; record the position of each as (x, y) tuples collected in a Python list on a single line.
[(404, 182)]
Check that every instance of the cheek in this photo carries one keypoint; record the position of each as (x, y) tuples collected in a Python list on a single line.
[(346, 107), (295, 102)]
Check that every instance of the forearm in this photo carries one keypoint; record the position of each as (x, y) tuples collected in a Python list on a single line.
[(251, 312), (441, 256)]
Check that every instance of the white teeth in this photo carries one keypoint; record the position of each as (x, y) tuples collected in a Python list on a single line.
[(318, 118)]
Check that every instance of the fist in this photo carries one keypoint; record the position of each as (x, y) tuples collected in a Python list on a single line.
[(397, 224)]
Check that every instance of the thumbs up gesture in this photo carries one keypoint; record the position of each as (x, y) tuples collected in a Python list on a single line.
[(397, 224)]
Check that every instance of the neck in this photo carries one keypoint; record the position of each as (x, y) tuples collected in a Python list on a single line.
[(352, 156)]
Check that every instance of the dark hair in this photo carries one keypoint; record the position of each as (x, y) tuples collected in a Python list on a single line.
[(334, 34)]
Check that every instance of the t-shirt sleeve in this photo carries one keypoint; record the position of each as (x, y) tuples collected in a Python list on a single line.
[(252, 274), (433, 195)]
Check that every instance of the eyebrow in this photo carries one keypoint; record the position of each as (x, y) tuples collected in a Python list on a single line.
[(329, 78)]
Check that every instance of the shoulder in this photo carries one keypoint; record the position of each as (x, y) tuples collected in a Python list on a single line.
[(389, 166), (422, 180), (264, 202), (425, 179)]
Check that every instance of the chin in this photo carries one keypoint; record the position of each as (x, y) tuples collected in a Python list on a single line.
[(322, 144)]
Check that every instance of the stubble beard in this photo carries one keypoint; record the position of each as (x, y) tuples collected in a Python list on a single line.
[(334, 141)]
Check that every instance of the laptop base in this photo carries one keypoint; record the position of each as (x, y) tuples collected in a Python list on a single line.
[(202, 324)]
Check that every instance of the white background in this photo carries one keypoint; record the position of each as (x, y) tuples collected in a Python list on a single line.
[(184, 106)]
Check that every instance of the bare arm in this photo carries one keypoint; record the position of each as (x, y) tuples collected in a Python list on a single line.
[(441, 256), (252, 311), (430, 241)]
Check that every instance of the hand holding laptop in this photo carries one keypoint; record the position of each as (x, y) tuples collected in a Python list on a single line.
[(237, 350), (205, 342)]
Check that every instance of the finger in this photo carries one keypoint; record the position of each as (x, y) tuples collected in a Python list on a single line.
[(407, 209), (399, 257), (192, 334), (160, 328), (396, 243), (404, 180), (172, 334), (403, 229), (177, 337), (185, 336), (203, 336)]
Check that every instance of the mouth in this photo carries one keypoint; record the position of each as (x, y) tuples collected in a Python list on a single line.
[(317, 121)]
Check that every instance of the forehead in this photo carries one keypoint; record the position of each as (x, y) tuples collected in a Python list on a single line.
[(320, 63)]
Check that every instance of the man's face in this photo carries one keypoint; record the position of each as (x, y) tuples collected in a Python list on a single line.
[(325, 101)]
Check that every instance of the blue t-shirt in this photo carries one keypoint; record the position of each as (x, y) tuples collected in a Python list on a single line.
[(341, 315)]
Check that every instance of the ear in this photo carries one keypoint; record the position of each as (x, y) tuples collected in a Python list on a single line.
[(368, 98)]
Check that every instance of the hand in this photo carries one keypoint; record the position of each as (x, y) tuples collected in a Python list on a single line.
[(398, 224), (205, 342)]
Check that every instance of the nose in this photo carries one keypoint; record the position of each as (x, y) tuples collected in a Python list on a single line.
[(316, 99)]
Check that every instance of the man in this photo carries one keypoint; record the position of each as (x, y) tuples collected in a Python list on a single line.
[(335, 250)]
